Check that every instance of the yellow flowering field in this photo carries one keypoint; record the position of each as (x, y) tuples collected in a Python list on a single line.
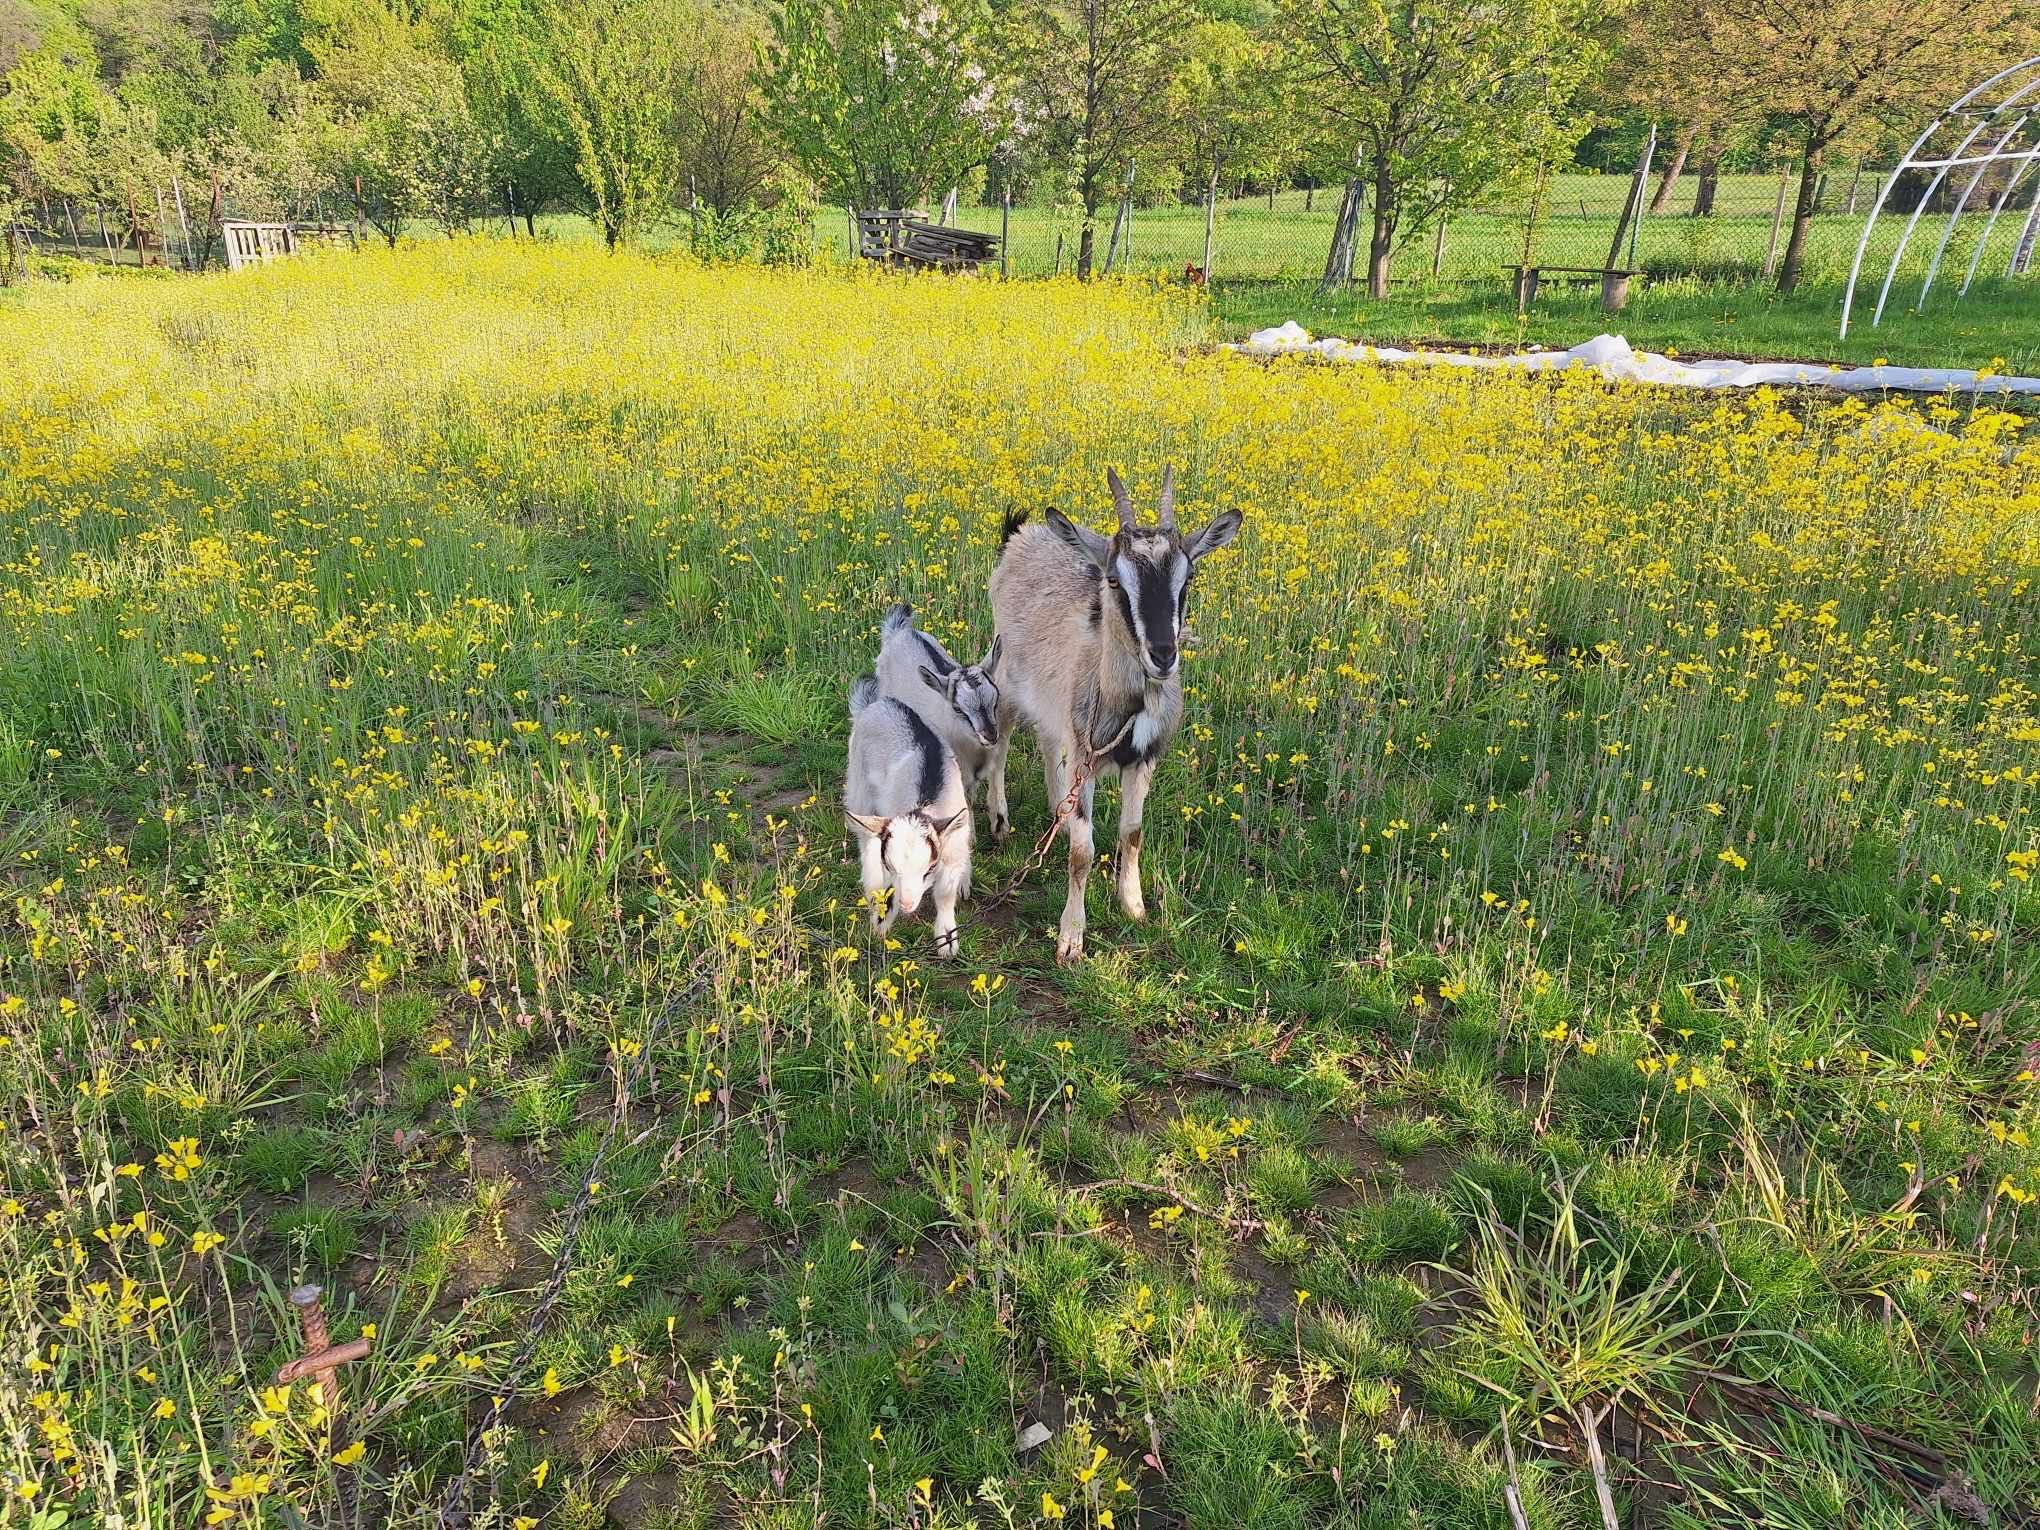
[(1582, 1059)]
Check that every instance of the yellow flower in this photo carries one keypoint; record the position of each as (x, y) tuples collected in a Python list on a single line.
[(1050, 1509), (350, 1454)]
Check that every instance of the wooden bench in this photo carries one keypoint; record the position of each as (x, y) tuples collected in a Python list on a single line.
[(1614, 283), (908, 239)]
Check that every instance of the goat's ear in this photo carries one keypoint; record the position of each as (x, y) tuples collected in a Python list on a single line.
[(1082, 538), (943, 825), (933, 681), (991, 664), (1213, 537), (870, 825)]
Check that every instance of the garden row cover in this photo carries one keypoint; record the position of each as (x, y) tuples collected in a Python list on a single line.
[(1612, 357)]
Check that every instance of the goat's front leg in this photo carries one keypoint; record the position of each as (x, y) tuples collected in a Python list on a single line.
[(1133, 790), (952, 882), (995, 785), (1069, 945), (877, 884)]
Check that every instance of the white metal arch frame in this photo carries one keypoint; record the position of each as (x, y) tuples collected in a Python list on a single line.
[(2002, 111)]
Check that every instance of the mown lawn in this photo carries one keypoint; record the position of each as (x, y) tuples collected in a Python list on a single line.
[(1588, 1005), (1996, 327)]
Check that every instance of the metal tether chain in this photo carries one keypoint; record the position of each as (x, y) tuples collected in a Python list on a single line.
[(1086, 769), (455, 1510)]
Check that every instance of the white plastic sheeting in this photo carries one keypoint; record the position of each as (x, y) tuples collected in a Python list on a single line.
[(1612, 357)]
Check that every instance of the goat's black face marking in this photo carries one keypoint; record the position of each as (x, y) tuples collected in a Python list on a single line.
[(932, 654), (1149, 572)]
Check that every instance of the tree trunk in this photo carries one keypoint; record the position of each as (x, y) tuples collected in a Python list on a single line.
[(1381, 246), (1674, 167), (1087, 240), (1802, 220), (1710, 182)]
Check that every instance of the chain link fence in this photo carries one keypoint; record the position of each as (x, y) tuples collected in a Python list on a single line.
[(1730, 229)]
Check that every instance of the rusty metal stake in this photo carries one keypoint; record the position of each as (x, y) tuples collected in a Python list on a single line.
[(321, 1357)]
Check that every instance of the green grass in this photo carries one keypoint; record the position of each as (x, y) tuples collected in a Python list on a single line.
[(1996, 323), (1588, 944)]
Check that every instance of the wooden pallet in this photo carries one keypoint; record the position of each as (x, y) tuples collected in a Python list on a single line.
[(908, 239)]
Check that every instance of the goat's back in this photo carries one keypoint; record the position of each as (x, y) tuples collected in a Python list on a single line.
[(1046, 606), (898, 764)]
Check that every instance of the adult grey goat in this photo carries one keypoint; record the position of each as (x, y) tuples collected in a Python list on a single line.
[(1092, 630)]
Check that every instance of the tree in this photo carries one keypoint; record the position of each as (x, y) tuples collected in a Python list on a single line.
[(20, 33), (1234, 114), (1667, 68), (1097, 80), (1846, 67), (609, 73), (408, 138), (531, 159), (1444, 98), (884, 102), (727, 151)]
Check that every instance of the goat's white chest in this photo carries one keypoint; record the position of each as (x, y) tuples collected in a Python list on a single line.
[(1147, 727)]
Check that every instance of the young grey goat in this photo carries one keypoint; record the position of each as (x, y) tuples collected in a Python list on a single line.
[(1092, 628), (903, 795), (959, 701)]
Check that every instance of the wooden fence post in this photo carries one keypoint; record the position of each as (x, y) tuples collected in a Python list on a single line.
[(1122, 225), (162, 226), (1339, 259), (1210, 218), (1777, 222), (1005, 228), (1632, 207), (183, 228)]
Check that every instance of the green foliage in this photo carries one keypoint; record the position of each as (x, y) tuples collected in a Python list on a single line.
[(1444, 99), (609, 73), (885, 103)]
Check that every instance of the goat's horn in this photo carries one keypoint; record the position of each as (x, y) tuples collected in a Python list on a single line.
[(1165, 516), (1121, 500)]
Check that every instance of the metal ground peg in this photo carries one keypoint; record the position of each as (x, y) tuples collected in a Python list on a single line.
[(322, 1356)]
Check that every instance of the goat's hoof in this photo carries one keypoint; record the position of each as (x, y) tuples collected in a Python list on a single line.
[(1002, 829), (1069, 950), (948, 947), (1133, 908)]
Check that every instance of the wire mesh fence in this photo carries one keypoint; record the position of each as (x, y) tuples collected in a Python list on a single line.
[(1729, 229), (1734, 230)]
